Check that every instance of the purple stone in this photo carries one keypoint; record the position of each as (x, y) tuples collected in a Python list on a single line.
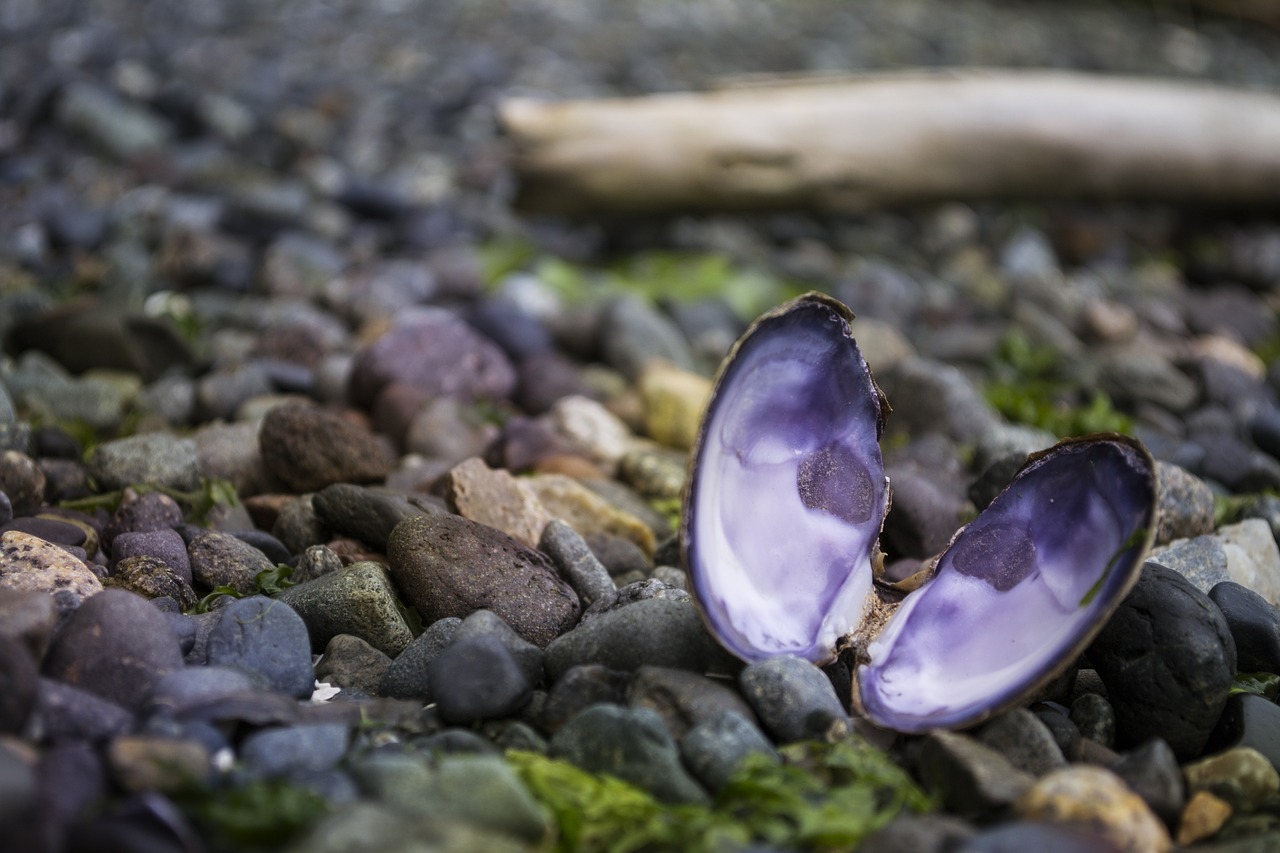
[(165, 545)]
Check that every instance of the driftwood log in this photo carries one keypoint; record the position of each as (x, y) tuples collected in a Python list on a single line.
[(851, 144)]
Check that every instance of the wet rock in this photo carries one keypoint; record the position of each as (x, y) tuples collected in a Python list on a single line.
[(577, 564), (1025, 740), (655, 631), (477, 678), (265, 637), (157, 459), (1167, 659), (1151, 771), (1254, 625), (153, 578), (352, 664), (406, 678), (28, 563), (1251, 721), (969, 778), (793, 699), (358, 600), (1096, 798), (631, 744), (436, 352), (714, 748), (449, 566), (495, 498), (1253, 559), (116, 646), (309, 448), (1184, 506), (1241, 776), (220, 559)]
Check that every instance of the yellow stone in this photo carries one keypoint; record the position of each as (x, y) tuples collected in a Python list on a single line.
[(587, 512), (29, 563), (1095, 797), (674, 401), (1202, 817)]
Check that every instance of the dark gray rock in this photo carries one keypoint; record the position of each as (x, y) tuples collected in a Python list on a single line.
[(1095, 718), (220, 559), (1167, 658), (1042, 837), (1254, 625), (276, 752), (65, 713), (406, 678), (264, 637), (619, 556), (165, 545), (21, 680), (655, 631), (684, 699), (363, 513), (309, 448), (969, 778), (1025, 740), (714, 748), (297, 526), (924, 518), (1152, 772), (484, 623), (1249, 720), (436, 352), (183, 690), (931, 396), (993, 479), (793, 699), (631, 744), (912, 833), (577, 564), (270, 546), (152, 578), (358, 600), (477, 678), (352, 664), (578, 688), (22, 482), (154, 458), (139, 513), (28, 617), (116, 646), (632, 593), (448, 566), (19, 789), (633, 335)]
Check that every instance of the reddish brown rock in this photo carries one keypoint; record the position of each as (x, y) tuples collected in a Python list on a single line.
[(309, 448)]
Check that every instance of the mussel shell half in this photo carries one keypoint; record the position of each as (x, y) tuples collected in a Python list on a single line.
[(786, 493), (1019, 592)]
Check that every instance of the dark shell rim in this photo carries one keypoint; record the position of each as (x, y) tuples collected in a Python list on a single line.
[(1071, 655), (695, 451)]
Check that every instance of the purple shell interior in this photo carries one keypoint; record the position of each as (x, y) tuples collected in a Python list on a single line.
[(787, 491), (1017, 592)]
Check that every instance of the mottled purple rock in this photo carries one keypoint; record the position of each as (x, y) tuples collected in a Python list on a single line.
[(436, 352), (138, 513), (164, 545)]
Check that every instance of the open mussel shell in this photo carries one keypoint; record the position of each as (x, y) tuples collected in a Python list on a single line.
[(1019, 593), (786, 493)]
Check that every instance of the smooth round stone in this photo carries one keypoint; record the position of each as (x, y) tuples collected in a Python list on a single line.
[(22, 481), (165, 545), (477, 678), (1167, 659), (1249, 720), (363, 513), (684, 699), (448, 566), (579, 688), (309, 448), (1020, 836), (152, 578), (28, 563), (528, 657), (1242, 776), (352, 664), (159, 459), (139, 513), (577, 564), (406, 678), (1254, 625), (358, 600), (714, 748), (1095, 718), (264, 637), (654, 631), (27, 618), (220, 559), (1025, 740), (969, 778), (631, 744), (1151, 771), (1184, 504), (634, 335), (21, 680), (618, 555), (192, 686), (271, 753), (116, 646), (504, 322), (69, 713), (269, 545), (1096, 797), (48, 529), (793, 699)]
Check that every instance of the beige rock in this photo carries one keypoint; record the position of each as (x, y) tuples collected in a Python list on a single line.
[(1095, 797), (674, 401), (1228, 351), (1253, 560), (587, 512), (30, 563), (881, 344), (479, 493), (592, 430), (1202, 817), (1242, 776)]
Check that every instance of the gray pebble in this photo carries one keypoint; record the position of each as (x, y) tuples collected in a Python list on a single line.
[(969, 778), (477, 678), (272, 753), (158, 459), (358, 600), (264, 637), (793, 699), (406, 678), (352, 664), (165, 545), (577, 564), (1025, 740), (714, 748), (484, 623), (220, 559), (1152, 772), (684, 699)]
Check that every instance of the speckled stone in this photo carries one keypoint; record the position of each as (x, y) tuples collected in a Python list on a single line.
[(1242, 776), (358, 600), (150, 577), (1184, 504), (29, 563), (1095, 797), (158, 459)]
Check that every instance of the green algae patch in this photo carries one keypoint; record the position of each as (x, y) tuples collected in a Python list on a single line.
[(821, 796)]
